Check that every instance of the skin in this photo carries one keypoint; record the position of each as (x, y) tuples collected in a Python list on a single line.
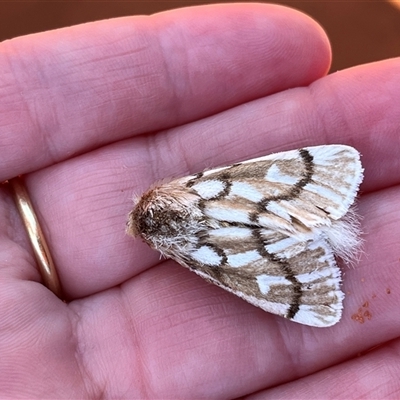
[(95, 113)]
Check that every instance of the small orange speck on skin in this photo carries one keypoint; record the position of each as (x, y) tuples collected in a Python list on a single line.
[(362, 314), (358, 318), (387, 291), (368, 315)]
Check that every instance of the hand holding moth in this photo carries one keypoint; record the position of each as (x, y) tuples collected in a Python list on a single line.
[(94, 113)]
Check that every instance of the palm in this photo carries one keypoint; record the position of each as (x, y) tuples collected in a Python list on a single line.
[(137, 326)]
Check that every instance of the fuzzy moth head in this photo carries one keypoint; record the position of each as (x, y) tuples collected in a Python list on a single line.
[(167, 218)]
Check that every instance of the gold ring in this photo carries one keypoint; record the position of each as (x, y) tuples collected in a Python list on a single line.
[(41, 250)]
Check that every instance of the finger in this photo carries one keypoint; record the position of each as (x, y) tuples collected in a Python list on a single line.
[(184, 325), (251, 349), (347, 107), (71, 90), (358, 377), (85, 201)]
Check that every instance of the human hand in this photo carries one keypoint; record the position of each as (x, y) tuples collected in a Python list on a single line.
[(96, 113)]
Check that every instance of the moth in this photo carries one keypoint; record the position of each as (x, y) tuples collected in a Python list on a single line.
[(268, 229)]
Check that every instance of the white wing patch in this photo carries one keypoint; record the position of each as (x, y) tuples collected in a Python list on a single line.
[(223, 214), (207, 256), (246, 191), (275, 175), (209, 189), (267, 282), (266, 229), (242, 259), (231, 232)]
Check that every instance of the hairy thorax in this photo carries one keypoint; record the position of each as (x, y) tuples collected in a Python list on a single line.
[(167, 219)]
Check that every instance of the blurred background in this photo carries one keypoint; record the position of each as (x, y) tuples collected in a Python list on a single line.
[(360, 31)]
